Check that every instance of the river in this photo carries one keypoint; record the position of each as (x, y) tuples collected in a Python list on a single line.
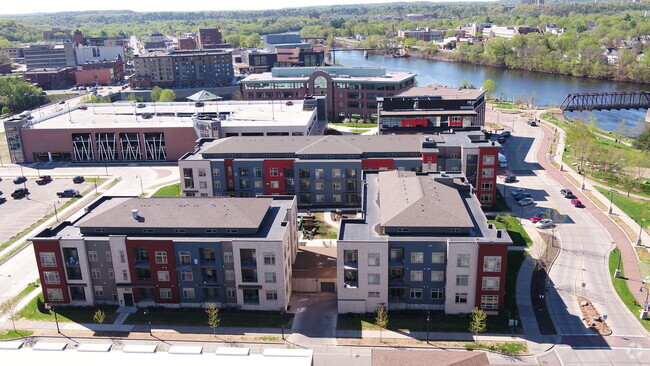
[(550, 89)]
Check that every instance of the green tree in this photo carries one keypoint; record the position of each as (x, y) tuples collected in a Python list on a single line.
[(167, 95), (491, 87), (5, 110), (381, 319), (155, 93), (213, 317), (642, 142), (8, 308), (99, 316), (478, 321), (464, 84), (133, 98), (18, 94)]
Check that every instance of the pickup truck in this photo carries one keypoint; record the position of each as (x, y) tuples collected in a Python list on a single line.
[(20, 193), (43, 179), (68, 193)]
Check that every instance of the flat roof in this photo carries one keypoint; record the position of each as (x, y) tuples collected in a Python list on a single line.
[(441, 91), (177, 114), (422, 112), (338, 74)]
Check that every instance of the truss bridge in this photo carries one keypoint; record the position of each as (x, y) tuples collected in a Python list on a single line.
[(606, 101)]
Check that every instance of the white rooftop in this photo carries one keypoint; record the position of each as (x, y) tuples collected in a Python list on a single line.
[(178, 114)]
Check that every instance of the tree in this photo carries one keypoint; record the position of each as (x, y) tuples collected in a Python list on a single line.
[(99, 316), (8, 308), (5, 110), (167, 95), (642, 142), (490, 86), (464, 84), (132, 98), (155, 93), (18, 94), (478, 321), (213, 317), (621, 129), (381, 319)]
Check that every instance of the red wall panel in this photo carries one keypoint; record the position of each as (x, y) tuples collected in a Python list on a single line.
[(51, 246), (377, 164), (152, 247), (280, 165), (491, 249)]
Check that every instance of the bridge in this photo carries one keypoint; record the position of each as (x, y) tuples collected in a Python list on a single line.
[(606, 101)]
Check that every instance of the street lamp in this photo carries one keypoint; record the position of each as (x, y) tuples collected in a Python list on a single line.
[(640, 222), (146, 312), (428, 320), (583, 181), (611, 201), (49, 306), (22, 174), (647, 293), (141, 186), (282, 323)]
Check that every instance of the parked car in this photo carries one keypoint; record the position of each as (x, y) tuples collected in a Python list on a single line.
[(501, 140), (43, 179), (289, 103), (506, 134), (3, 200), (83, 107), (147, 115), (525, 201), (539, 217), (544, 223), (141, 105), (68, 193), (532, 122), (566, 193), (19, 180), (517, 191), (20, 193), (78, 179), (510, 178), (577, 203), (521, 196), (199, 104)]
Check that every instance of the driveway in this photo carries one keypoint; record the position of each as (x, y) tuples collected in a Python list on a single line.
[(314, 319)]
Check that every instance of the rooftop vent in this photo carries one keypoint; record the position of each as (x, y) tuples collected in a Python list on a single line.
[(134, 213)]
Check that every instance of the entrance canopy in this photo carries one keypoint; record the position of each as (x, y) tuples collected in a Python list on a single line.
[(202, 96)]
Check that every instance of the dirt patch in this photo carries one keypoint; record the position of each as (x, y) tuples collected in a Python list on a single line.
[(414, 343), (592, 318), (595, 200), (631, 234)]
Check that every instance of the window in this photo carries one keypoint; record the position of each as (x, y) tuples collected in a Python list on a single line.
[(492, 264), (270, 277), (273, 172), (48, 259), (184, 258), (416, 275), (336, 198), (269, 258), (163, 276), (111, 273), (258, 184), (487, 173), (188, 293), (462, 280), (165, 293), (95, 274), (486, 198), (99, 290), (305, 173), (319, 174), (125, 275), (92, 256), (51, 277), (373, 294), (350, 173), (275, 184), (397, 254), (271, 295), (257, 172), (462, 261), (437, 276), (319, 186), (244, 171), (187, 276), (201, 172), (373, 259), (179, 231), (216, 172), (230, 275), (122, 257), (336, 186), (373, 278), (461, 298), (227, 257), (489, 301), (231, 293), (336, 173), (161, 257), (417, 257), (109, 257), (403, 230), (488, 160), (438, 257), (416, 293), (351, 185), (217, 184), (437, 293), (54, 294), (486, 186), (491, 283), (320, 198)]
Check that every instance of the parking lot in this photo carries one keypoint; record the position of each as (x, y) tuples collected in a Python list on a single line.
[(18, 214)]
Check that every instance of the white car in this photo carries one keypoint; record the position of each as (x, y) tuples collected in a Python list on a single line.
[(525, 201), (544, 223), (517, 191)]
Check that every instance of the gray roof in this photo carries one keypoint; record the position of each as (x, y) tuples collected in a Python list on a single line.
[(179, 212), (441, 91), (407, 200)]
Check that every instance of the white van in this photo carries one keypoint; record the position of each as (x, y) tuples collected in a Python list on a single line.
[(25, 114), (503, 162)]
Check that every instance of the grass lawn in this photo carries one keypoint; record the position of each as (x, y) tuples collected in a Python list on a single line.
[(35, 310), (172, 190), (13, 334), (360, 130), (415, 321), (507, 347), (638, 210), (198, 317), (325, 231), (53, 98), (360, 125), (517, 233), (623, 291)]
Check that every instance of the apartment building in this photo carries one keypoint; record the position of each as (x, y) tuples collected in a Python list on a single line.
[(86, 54), (183, 69), (431, 109), (209, 38), (174, 252), (326, 171), (351, 92), (423, 244)]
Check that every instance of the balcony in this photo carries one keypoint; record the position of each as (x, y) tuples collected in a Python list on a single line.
[(142, 262), (74, 273)]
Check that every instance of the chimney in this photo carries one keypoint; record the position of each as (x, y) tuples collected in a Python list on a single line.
[(134, 213)]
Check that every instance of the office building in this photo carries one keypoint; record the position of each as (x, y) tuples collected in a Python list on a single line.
[(172, 252), (326, 171), (351, 92), (423, 34), (49, 56), (86, 54), (209, 38), (51, 77), (431, 109), (423, 244)]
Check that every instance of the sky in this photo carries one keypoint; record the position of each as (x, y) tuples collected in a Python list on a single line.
[(49, 6)]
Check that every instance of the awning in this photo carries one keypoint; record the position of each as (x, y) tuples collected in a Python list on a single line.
[(203, 95)]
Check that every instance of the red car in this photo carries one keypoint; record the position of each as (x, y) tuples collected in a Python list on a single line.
[(83, 107), (538, 217), (43, 179), (577, 203)]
